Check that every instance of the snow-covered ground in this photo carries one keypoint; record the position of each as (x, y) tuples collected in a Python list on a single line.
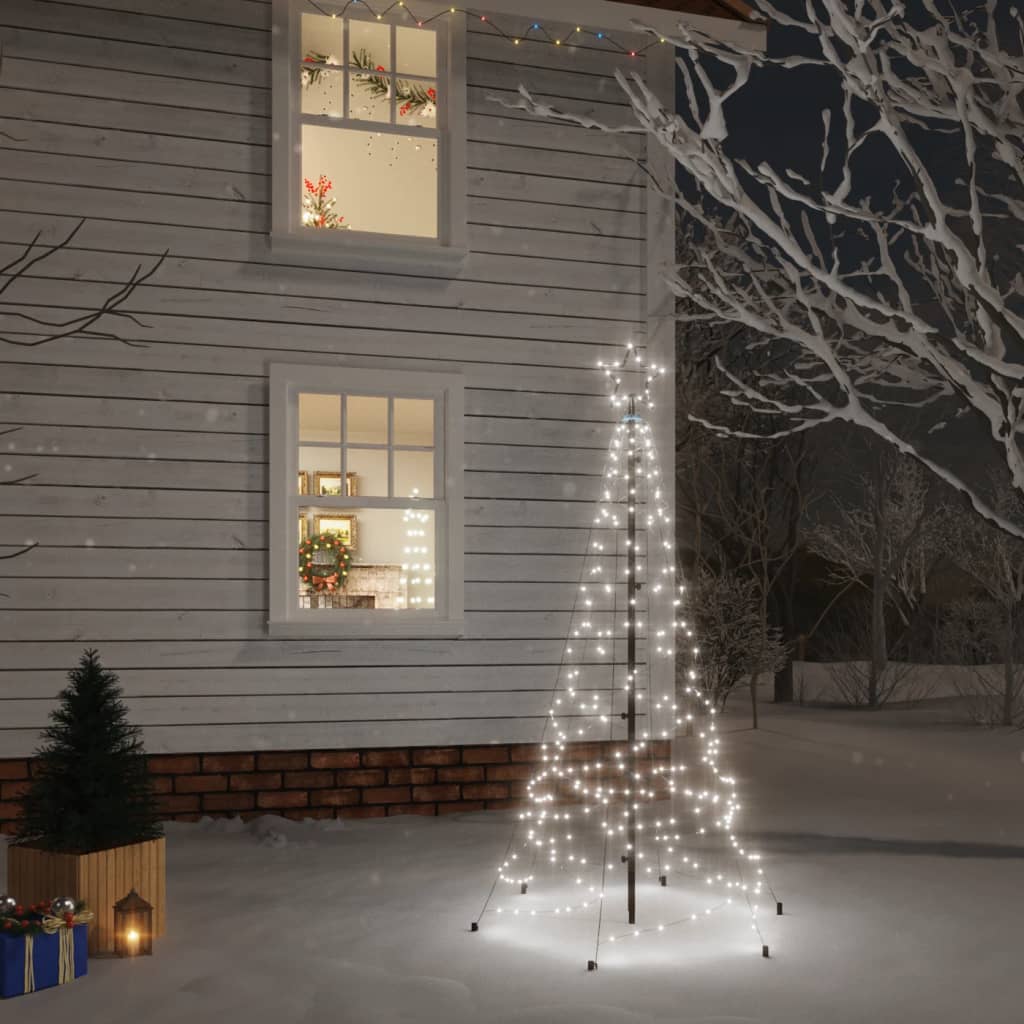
[(896, 842)]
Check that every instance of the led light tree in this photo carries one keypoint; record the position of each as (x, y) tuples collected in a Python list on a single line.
[(613, 813), (418, 559)]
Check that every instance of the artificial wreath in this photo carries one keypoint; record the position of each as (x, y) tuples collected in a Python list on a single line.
[(413, 97), (39, 919), (324, 562)]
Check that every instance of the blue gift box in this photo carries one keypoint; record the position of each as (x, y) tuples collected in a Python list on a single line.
[(45, 960)]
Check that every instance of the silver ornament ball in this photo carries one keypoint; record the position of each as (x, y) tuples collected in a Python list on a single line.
[(62, 905), (7, 905)]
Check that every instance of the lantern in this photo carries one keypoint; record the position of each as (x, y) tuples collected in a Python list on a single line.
[(133, 926)]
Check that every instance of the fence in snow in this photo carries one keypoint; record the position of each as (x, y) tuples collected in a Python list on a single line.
[(832, 682)]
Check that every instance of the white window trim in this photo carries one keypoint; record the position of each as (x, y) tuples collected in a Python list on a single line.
[(286, 618), (362, 251)]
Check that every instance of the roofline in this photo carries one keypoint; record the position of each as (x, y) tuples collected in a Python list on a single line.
[(739, 9), (607, 14)]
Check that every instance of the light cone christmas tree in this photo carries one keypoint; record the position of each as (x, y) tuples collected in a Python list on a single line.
[(631, 820)]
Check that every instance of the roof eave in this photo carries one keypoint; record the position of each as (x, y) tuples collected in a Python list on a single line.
[(607, 14)]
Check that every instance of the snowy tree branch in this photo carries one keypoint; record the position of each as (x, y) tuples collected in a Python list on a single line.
[(862, 306)]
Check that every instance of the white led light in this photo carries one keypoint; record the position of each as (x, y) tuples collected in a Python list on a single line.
[(629, 798)]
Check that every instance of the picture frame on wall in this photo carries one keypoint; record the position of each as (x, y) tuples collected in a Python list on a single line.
[(303, 482), (303, 526), (328, 485), (344, 526)]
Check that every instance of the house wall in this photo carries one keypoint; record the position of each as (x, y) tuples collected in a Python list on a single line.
[(147, 495)]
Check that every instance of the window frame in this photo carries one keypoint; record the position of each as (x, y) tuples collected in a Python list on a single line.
[(357, 249), (285, 616)]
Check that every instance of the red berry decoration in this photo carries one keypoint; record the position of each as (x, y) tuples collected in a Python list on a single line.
[(413, 97), (318, 205)]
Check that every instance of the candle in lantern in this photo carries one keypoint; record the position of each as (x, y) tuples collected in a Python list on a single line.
[(133, 926)]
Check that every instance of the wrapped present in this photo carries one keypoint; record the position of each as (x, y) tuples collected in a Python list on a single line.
[(39, 950)]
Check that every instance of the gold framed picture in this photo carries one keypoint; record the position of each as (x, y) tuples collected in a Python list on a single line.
[(329, 485), (303, 527), (344, 526), (303, 482)]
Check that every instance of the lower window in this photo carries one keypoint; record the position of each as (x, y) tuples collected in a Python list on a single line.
[(365, 525)]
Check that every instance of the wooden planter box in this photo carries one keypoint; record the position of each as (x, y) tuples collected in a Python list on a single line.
[(100, 878)]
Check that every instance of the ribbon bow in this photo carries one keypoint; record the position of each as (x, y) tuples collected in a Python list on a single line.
[(66, 951), (328, 583), (51, 924)]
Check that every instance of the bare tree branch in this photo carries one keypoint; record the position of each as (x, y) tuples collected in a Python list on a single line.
[(23, 551), (81, 325)]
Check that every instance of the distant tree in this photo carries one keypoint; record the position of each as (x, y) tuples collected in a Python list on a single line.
[(733, 642), (884, 537), (742, 501), (991, 626), (845, 645), (90, 787), (975, 636)]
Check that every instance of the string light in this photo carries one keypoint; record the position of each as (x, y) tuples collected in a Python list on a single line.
[(417, 565), (595, 811), (535, 31)]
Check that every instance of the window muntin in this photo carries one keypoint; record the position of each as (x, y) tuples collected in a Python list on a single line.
[(369, 132), (369, 471), (382, 444)]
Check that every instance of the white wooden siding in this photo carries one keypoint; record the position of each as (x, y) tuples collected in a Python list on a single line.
[(149, 492)]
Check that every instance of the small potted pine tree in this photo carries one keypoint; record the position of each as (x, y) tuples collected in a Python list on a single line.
[(90, 826)]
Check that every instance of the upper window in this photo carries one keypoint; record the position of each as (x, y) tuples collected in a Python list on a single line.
[(369, 128), (365, 501)]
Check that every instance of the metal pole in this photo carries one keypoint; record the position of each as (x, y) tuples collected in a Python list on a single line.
[(632, 590)]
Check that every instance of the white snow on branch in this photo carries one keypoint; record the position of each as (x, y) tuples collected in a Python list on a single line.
[(862, 306)]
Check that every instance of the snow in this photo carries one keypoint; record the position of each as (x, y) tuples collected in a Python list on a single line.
[(895, 839)]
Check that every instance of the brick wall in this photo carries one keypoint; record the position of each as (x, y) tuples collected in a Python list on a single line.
[(333, 783)]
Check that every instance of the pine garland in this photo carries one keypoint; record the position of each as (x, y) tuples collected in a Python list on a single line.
[(413, 97), (39, 919), (310, 76), (90, 788)]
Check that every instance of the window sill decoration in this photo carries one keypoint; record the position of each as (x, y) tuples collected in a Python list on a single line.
[(318, 206)]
